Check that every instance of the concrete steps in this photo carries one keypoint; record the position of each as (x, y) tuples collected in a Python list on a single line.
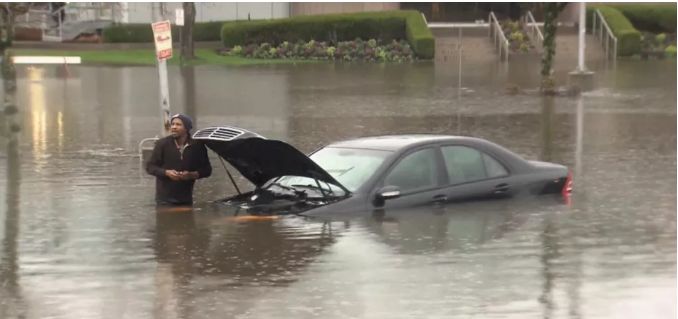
[(476, 45), (474, 41)]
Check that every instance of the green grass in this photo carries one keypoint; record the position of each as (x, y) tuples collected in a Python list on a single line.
[(147, 57)]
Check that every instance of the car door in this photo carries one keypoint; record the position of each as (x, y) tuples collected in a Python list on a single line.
[(473, 174), (418, 177)]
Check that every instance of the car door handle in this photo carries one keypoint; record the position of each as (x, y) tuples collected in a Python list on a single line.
[(501, 188), (440, 198)]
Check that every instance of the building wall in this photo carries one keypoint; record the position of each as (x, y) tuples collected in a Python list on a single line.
[(311, 8), (140, 12)]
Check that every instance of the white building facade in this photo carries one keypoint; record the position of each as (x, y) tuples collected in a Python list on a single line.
[(144, 12)]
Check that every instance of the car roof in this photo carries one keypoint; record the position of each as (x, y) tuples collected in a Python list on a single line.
[(398, 142)]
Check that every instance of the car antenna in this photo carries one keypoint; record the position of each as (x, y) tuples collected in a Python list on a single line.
[(230, 176)]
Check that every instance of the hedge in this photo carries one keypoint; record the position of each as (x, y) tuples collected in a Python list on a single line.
[(627, 36), (142, 32), (655, 18), (385, 26)]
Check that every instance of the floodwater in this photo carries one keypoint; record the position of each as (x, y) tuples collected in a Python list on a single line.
[(81, 237)]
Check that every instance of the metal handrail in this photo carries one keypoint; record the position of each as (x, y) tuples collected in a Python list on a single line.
[(498, 36), (532, 26), (603, 26), (93, 12)]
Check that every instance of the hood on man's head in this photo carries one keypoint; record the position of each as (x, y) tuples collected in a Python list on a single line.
[(188, 122)]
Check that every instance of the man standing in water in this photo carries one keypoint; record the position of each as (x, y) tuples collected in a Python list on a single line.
[(177, 161)]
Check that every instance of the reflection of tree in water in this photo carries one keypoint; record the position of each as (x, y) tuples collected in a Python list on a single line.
[(11, 299), (550, 252), (559, 265), (547, 128)]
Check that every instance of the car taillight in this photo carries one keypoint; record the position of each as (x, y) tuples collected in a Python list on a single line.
[(567, 189)]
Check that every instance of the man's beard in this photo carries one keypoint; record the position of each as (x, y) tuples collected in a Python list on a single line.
[(178, 135)]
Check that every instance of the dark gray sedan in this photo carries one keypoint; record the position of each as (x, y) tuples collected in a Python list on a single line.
[(382, 172)]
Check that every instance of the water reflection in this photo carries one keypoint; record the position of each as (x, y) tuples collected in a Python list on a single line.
[(38, 112), (457, 227), (550, 253), (11, 295), (91, 237), (547, 128), (201, 254)]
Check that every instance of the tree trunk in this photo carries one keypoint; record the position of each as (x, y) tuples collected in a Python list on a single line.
[(187, 48), (6, 28), (551, 11)]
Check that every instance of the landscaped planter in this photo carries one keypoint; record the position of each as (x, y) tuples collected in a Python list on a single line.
[(358, 50)]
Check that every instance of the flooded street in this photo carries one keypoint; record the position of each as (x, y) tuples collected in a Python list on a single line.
[(81, 237)]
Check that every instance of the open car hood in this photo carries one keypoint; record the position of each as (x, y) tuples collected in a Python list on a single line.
[(259, 159)]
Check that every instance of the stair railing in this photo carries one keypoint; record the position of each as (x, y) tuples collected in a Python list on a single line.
[(498, 37), (602, 30)]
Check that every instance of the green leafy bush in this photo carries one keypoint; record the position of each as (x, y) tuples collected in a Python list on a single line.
[(357, 50)]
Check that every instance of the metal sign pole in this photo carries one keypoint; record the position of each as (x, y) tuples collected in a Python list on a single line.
[(163, 44), (162, 35), (164, 97)]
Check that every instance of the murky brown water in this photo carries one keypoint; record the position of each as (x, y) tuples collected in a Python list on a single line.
[(81, 237)]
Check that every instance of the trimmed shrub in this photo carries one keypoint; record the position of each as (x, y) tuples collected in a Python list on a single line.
[(419, 35), (627, 36), (655, 18), (207, 31), (331, 28), (142, 32), (133, 33), (384, 26)]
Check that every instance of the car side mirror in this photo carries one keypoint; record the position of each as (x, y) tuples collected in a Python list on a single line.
[(384, 193), (388, 192)]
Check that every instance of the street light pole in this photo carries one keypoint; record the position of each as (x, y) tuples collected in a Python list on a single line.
[(582, 36), (581, 79)]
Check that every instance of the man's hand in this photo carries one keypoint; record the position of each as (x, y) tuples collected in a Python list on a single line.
[(187, 176), (173, 175)]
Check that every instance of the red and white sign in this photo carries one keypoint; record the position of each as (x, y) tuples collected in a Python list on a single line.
[(162, 33)]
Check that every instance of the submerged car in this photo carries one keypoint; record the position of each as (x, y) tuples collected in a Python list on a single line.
[(381, 172)]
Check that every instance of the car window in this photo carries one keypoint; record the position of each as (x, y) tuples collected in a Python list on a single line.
[(465, 164), (493, 167), (415, 171)]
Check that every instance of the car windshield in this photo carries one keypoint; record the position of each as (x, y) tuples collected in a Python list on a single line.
[(350, 167)]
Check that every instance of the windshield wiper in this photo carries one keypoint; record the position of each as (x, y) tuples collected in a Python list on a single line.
[(317, 187), (282, 186)]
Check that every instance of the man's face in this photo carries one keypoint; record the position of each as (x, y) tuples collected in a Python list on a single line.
[(177, 128)]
